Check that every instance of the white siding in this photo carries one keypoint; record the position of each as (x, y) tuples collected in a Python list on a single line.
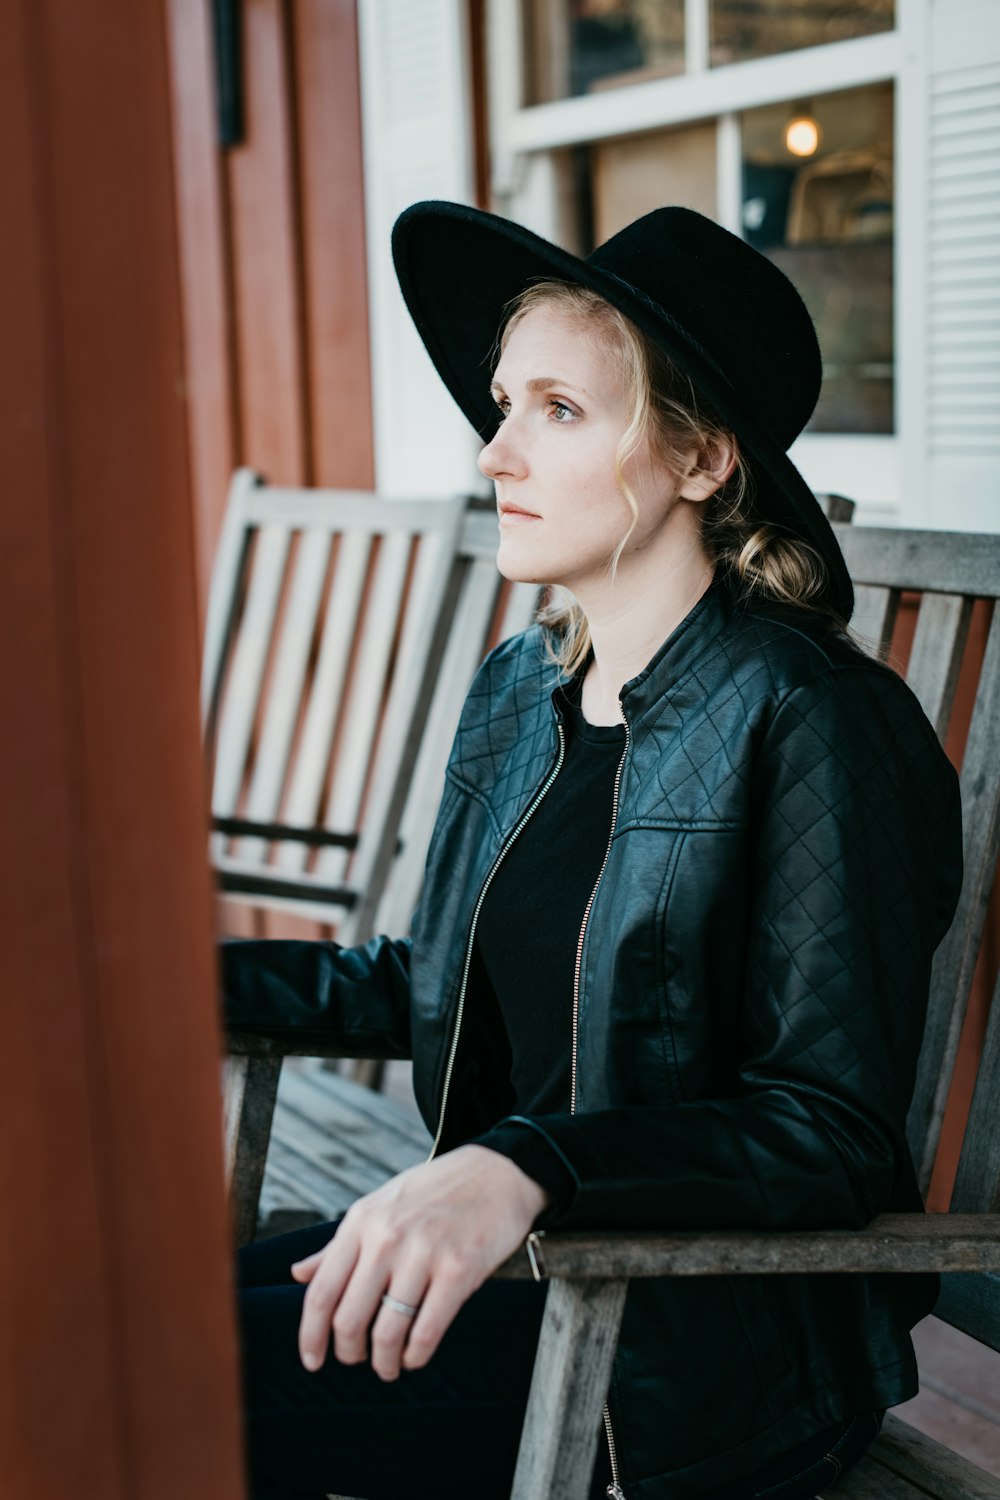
[(963, 266)]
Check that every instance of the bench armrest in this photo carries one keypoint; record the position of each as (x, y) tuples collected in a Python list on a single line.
[(300, 1042), (891, 1242)]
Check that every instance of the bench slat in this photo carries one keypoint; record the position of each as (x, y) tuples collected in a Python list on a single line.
[(249, 663), (299, 1043), (892, 1242), (955, 960), (326, 691), (869, 1480), (285, 687), (874, 613), (366, 697), (945, 562), (936, 655), (913, 1456)]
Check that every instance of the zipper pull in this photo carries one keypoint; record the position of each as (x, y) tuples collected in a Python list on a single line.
[(533, 1245), (615, 1492)]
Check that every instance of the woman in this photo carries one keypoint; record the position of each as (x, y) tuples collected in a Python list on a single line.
[(693, 857)]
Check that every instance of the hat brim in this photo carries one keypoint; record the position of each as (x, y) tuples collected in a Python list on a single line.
[(458, 268)]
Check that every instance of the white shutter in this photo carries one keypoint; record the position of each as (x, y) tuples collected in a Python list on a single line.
[(415, 86), (963, 265)]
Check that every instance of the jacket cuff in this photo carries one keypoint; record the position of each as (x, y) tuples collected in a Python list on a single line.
[(529, 1148)]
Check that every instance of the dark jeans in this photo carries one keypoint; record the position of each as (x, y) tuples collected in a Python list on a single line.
[(447, 1432)]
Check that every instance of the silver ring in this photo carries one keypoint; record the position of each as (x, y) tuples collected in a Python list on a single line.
[(400, 1307)]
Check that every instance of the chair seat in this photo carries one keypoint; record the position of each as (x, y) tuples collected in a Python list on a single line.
[(904, 1464)]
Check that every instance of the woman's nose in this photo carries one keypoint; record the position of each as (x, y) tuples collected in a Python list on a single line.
[(500, 456)]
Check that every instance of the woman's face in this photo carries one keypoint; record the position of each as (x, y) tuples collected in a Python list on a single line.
[(553, 460)]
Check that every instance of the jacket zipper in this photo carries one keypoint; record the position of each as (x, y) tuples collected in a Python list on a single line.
[(543, 789), (614, 1490)]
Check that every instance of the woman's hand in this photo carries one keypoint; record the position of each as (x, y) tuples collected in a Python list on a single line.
[(429, 1238)]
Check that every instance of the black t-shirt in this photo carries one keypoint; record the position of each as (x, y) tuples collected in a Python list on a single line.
[(529, 930)]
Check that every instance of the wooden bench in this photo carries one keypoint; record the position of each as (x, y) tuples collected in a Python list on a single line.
[(342, 632), (589, 1273)]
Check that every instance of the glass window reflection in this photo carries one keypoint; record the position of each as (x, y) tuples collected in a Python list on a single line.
[(578, 46), (741, 29), (818, 200)]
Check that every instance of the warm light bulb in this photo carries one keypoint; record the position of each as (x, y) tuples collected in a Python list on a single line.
[(802, 136)]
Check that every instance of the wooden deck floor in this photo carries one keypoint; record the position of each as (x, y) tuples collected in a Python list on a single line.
[(332, 1141)]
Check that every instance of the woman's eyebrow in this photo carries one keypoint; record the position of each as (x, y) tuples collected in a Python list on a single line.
[(542, 383)]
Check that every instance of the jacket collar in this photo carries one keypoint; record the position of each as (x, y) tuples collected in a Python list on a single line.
[(685, 644)]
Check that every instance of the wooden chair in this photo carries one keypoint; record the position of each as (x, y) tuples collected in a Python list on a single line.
[(589, 1273), (328, 617), (341, 635)]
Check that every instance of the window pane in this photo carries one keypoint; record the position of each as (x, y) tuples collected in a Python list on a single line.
[(576, 46), (759, 28), (635, 174), (826, 218)]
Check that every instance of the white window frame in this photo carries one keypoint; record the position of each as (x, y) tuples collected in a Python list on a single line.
[(526, 140)]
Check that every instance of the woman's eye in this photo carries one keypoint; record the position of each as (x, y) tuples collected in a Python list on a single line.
[(560, 411)]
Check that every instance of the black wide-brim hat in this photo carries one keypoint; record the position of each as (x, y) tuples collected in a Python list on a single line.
[(727, 317)]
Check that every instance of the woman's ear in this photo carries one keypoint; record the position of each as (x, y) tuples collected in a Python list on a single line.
[(713, 464)]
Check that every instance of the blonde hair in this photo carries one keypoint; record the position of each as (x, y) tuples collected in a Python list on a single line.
[(665, 408)]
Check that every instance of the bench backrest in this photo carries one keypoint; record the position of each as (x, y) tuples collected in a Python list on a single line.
[(950, 571), (328, 618), (342, 633)]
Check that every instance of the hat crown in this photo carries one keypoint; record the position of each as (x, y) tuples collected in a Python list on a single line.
[(724, 313), (729, 304)]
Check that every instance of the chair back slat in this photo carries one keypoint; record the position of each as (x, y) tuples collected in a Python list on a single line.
[(223, 600), (936, 655), (290, 668), (325, 695), (955, 960), (874, 614), (253, 645), (365, 701)]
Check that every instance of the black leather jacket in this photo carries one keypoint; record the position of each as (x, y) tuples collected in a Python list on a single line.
[(785, 857)]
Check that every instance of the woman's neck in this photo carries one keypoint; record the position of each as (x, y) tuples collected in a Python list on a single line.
[(630, 620)]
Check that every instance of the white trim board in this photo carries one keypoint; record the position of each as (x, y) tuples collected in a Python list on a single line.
[(699, 96), (418, 135)]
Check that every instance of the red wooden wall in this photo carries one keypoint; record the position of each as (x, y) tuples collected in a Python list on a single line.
[(118, 1373), (273, 272), (272, 252)]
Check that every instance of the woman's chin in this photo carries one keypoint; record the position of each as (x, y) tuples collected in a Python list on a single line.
[(517, 564)]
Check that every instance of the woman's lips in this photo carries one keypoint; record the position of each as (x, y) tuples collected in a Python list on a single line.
[(512, 517)]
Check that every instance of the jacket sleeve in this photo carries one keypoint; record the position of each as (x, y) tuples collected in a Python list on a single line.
[(355, 998), (854, 872)]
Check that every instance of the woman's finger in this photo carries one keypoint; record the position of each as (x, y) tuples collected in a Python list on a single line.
[(323, 1293), (305, 1269), (360, 1302), (393, 1326), (442, 1301)]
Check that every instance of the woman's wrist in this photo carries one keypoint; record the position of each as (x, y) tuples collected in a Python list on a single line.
[(535, 1197)]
